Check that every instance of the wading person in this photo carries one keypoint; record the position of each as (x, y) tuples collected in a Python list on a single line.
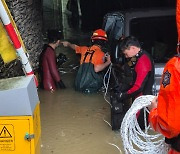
[(48, 65), (93, 61)]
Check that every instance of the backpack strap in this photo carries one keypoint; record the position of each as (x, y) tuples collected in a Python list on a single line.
[(88, 52)]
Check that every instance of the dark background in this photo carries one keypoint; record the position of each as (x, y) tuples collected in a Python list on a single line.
[(93, 11)]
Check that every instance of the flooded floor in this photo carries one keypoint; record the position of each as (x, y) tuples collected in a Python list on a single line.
[(73, 123)]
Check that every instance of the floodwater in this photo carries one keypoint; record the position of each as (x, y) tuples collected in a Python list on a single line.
[(74, 123)]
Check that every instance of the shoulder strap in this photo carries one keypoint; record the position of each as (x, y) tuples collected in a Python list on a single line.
[(88, 52)]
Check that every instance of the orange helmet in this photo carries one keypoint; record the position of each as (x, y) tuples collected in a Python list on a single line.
[(99, 34)]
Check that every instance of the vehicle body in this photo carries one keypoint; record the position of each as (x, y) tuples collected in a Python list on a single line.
[(155, 28)]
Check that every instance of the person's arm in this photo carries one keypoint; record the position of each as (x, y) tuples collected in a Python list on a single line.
[(68, 44), (142, 69), (159, 124), (100, 67), (156, 122)]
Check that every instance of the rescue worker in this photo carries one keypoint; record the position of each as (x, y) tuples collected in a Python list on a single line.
[(93, 61), (141, 66), (48, 65), (164, 114)]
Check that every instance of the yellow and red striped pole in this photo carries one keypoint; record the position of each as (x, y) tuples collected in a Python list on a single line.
[(16, 42)]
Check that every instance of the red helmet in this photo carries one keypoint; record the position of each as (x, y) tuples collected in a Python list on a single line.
[(99, 34)]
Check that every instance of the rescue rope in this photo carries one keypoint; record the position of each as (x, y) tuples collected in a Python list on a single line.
[(135, 140), (106, 80)]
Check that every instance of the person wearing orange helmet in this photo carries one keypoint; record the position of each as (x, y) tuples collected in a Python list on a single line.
[(164, 114), (93, 61)]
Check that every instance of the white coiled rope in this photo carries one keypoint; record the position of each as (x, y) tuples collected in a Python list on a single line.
[(135, 140)]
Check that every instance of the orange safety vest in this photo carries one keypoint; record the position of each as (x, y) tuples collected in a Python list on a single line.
[(98, 56), (166, 117)]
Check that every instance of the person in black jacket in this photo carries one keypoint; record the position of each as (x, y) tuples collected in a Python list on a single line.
[(142, 67)]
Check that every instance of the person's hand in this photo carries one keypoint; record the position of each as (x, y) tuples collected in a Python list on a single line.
[(108, 58), (153, 103), (65, 43)]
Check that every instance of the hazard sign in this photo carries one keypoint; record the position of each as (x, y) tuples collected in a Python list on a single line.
[(7, 142)]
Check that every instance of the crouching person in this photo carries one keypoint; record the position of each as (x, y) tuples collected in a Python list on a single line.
[(141, 66)]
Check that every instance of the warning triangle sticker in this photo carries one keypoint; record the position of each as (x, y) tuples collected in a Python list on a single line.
[(5, 133)]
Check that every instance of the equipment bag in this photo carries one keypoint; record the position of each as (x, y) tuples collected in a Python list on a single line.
[(121, 80), (117, 113), (87, 80)]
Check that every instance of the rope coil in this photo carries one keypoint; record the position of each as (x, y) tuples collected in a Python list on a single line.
[(135, 140)]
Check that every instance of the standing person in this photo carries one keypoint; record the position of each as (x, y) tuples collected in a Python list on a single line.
[(164, 114), (48, 65), (141, 66), (93, 62)]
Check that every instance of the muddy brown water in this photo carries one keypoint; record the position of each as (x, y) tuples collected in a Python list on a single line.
[(73, 123)]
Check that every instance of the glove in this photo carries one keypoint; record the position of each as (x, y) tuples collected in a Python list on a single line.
[(121, 96)]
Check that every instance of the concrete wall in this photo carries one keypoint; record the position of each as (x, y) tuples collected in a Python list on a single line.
[(52, 14)]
